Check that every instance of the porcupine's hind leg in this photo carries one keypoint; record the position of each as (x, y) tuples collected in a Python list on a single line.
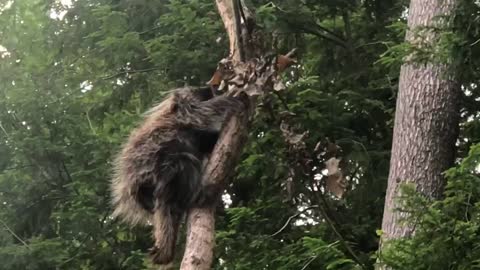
[(174, 195)]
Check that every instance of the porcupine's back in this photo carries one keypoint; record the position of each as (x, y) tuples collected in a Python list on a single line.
[(136, 165)]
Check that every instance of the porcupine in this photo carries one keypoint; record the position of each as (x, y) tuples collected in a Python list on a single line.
[(158, 173)]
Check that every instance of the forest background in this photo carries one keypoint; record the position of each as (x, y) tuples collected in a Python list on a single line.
[(76, 76)]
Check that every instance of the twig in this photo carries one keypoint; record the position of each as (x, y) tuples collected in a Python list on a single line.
[(332, 224), (149, 30), (292, 217), (90, 123), (282, 100), (468, 207), (329, 34), (341, 238), (4, 130), (82, 242), (17, 168), (322, 33), (475, 43), (319, 31), (291, 53), (309, 262), (67, 172), (14, 234), (129, 72)]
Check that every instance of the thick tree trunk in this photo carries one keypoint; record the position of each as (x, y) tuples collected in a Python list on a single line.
[(426, 118)]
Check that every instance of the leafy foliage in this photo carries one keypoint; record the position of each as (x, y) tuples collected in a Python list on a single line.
[(75, 77), (447, 231)]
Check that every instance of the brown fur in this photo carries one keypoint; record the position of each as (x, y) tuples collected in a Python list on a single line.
[(158, 172)]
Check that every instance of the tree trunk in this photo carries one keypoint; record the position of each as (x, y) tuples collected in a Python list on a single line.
[(246, 73), (200, 240), (426, 118), (201, 221)]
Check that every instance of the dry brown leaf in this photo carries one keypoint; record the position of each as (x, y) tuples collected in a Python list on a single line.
[(332, 165), (336, 185), (292, 138), (216, 79), (283, 62)]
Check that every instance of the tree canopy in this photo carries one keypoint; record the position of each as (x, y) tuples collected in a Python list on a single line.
[(76, 77)]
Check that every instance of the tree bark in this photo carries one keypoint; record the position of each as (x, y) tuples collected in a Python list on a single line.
[(426, 117), (200, 239)]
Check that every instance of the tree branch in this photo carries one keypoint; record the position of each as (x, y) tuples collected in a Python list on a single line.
[(317, 30), (14, 234), (292, 217), (321, 32), (126, 72)]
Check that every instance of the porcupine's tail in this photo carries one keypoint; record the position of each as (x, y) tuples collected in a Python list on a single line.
[(124, 188)]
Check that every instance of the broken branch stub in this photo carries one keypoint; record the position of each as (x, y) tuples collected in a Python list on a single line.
[(249, 67)]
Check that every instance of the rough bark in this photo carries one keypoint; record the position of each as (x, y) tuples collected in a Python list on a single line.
[(426, 117), (200, 239)]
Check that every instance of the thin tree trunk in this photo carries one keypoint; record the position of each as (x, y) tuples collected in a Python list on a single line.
[(426, 118)]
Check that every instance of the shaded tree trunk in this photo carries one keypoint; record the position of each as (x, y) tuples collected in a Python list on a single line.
[(426, 118)]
